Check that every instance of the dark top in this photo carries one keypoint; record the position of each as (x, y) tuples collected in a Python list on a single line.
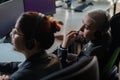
[(98, 47), (33, 68)]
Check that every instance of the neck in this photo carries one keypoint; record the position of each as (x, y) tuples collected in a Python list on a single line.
[(29, 53)]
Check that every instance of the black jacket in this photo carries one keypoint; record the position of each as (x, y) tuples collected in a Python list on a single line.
[(98, 47), (33, 68)]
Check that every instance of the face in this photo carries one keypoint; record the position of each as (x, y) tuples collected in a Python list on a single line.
[(88, 28), (17, 38)]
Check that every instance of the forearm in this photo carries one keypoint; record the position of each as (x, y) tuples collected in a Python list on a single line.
[(62, 55), (8, 68)]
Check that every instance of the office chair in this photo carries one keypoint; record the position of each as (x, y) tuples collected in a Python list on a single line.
[(111, 70), (86, 68)]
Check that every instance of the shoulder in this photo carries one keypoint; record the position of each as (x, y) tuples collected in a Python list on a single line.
[(53, 59), (95, 49), (25, 74)]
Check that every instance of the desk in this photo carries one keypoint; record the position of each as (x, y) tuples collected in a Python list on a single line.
[(7, 54)]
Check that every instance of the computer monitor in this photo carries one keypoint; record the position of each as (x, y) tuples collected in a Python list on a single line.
[(44, 6), (9, 12)]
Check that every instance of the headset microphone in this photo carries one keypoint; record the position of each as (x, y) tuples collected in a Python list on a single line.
[(80, 39), (73, 48)]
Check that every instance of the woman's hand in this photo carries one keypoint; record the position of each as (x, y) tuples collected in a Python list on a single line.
[(69, 38), (4, 77)]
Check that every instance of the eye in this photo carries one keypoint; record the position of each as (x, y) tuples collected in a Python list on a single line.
[(85, 25)]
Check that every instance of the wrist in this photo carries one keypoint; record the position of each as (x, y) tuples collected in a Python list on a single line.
[(63, 46), (61, 51)]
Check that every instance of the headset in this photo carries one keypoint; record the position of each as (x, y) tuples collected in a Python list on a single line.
[(106, 23), (104, 27), (29, 41)]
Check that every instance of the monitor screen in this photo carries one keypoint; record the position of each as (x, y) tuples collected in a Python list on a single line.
[(44, 6), (9, 12)]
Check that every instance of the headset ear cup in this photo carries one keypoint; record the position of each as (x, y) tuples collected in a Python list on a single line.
[(98, 34), (106, 24), (105, 27), (29, 44)]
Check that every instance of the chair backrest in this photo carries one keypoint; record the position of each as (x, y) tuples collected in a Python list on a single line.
[(110, 69), (85, 69), (112, 59)]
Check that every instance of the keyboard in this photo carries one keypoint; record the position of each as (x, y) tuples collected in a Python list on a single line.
[(82, 7)]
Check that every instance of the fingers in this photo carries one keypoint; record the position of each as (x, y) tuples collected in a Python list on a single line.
[(71, 35), (72, 32), (4, 77), (69, 38)]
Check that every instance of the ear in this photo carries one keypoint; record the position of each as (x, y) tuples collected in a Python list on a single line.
[(30, 43)]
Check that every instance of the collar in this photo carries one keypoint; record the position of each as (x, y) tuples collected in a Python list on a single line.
[(37, 58)]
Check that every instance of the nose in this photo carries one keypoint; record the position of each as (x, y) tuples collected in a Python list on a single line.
[(11, 33)]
